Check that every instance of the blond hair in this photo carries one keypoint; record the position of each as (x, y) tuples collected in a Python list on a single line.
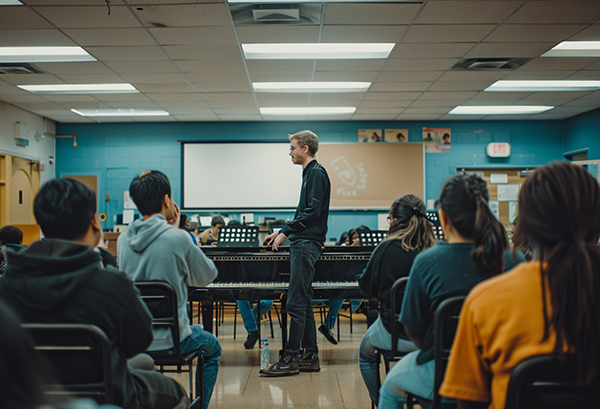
[(307, 138)]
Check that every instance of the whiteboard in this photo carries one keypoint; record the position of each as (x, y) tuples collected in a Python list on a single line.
[(238, 176)]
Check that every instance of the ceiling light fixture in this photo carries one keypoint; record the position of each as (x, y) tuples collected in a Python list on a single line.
[(320, 1), (542, 86), (44, 54), (10, 3), (317, 51), (500, 110), (74, 89), (120, 112), (575, 49), (308, 111), (311, 86)]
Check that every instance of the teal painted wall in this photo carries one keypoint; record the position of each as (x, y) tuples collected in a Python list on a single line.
[(116, 152), (583, 131)]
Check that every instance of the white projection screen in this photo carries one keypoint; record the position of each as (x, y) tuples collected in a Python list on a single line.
[(245, 176)]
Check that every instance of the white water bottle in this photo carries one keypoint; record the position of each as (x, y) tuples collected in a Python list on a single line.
[(264, 353)]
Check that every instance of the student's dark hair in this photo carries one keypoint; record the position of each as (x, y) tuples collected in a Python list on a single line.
[(217, 220), (148, 191), (23, 371), (183, 222), (234, 223), (411, 226), (559, 206), (344, 239), (64, 208), (11, 234), (464, 199)]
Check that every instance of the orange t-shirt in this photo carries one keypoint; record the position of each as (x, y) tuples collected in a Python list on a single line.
[(501, 323)]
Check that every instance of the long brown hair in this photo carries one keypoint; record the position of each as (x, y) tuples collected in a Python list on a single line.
[(464, 199), (559, 208), (410, 226)]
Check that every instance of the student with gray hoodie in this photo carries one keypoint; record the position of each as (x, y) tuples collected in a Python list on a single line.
[(153, 248)]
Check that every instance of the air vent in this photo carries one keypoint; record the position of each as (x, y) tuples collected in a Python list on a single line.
[(490, 64), (19, 68), (252, 14), (276, 15)]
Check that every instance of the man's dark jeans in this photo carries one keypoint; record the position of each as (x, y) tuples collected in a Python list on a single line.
[(303, 332)]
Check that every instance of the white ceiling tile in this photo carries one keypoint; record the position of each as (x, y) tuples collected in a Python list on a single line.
[(346, 76), (385, 104), (373, 117), (114, 36), (228, 96), (280, 65), (20, 18), (156, 78), (345, 99), (557, 12), (210, 65), (583, 102), (184, 15), (179, 97), (497, 98), (169, 118), (26, 38), (362, 34), (70, 98), (431, 50), (509, 50), (508, 33), (122, 97), (239, 117), (34, 79), (448, 96), (283, 34), (466, 12), (464, 33), (89, 17), (222, 87), (538, 75), (417, 76), (216, 77), (418, 117), (190, 111), (349, 65), (232, 103), (178, 105), (432, 103), (416, 64), (556, 96), (386, 111), (391, 96), (469, 76), (59, 68), (164, 88), (370, 13), (197, 118), (592, 33), (90, 78), (227, 111), (546, 63), (281, 76), (461, 86), (585, 75), (194, 35), (289, 100), (141, 67), (399, 86), (430, 110), (593, 66), (141, 53), (203, 52)]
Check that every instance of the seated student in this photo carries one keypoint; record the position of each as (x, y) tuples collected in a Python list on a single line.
[(24, 372), (475, 249), (184, 225), (60, 280), (12, 238), (548, 306), (211, 235), (154, 249), (344, 239), (408, 234)]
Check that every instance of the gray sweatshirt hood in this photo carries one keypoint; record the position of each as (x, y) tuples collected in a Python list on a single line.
[(141, 233)]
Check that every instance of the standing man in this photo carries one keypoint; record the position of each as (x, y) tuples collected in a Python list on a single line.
[(307, 236), (154, 249), (211, 235)]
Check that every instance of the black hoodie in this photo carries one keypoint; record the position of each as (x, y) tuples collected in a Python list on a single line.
[(59, 281)]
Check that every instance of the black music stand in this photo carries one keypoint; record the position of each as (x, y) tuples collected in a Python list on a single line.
[(238, 236), (433, 217), (372, 238)]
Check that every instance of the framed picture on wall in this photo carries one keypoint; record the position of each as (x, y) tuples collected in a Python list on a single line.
[(436, 140), (396, 135), (370, 135)]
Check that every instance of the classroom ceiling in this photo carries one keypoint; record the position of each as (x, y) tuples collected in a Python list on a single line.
[(186, 57)]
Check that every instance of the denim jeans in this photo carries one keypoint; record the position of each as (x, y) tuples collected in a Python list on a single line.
[(336, 306), (206, 342), (303, 332), (376, 337), (249, 314)]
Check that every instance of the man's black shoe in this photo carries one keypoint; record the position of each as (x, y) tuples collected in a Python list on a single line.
[(310, 363), (251, 340), (328, 335), (287, 366)]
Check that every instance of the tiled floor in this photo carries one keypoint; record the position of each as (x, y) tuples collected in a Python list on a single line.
[(338, 384)]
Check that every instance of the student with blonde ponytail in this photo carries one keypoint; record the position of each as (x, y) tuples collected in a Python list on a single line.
[(409, 233), (550, 305), (475, 249)]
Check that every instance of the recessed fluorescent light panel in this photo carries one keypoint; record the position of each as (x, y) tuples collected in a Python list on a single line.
[(575, 49), (320, 1), (120, 112), (312, 87), (308, 111), (542, 85), (44, 54), (10, 3), (74, 89), (317, 51), (500, 110)]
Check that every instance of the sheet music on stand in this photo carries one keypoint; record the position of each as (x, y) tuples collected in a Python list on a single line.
[(238, 236), (433, 217), (372, 238)]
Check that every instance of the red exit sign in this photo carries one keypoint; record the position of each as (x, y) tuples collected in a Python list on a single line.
[(498, 150)]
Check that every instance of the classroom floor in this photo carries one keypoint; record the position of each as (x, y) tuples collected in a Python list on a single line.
[(338, 384)]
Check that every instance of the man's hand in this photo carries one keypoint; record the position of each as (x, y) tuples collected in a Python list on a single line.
[(177, 213), (276, 239)]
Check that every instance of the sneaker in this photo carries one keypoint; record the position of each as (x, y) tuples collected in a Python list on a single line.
[(328, 334), (251, 340), (310, 363), (287, 366)]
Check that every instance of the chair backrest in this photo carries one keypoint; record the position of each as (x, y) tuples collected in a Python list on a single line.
[(549, 381), (445, 324), (80, 358), (396, 297), (161, 300)]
